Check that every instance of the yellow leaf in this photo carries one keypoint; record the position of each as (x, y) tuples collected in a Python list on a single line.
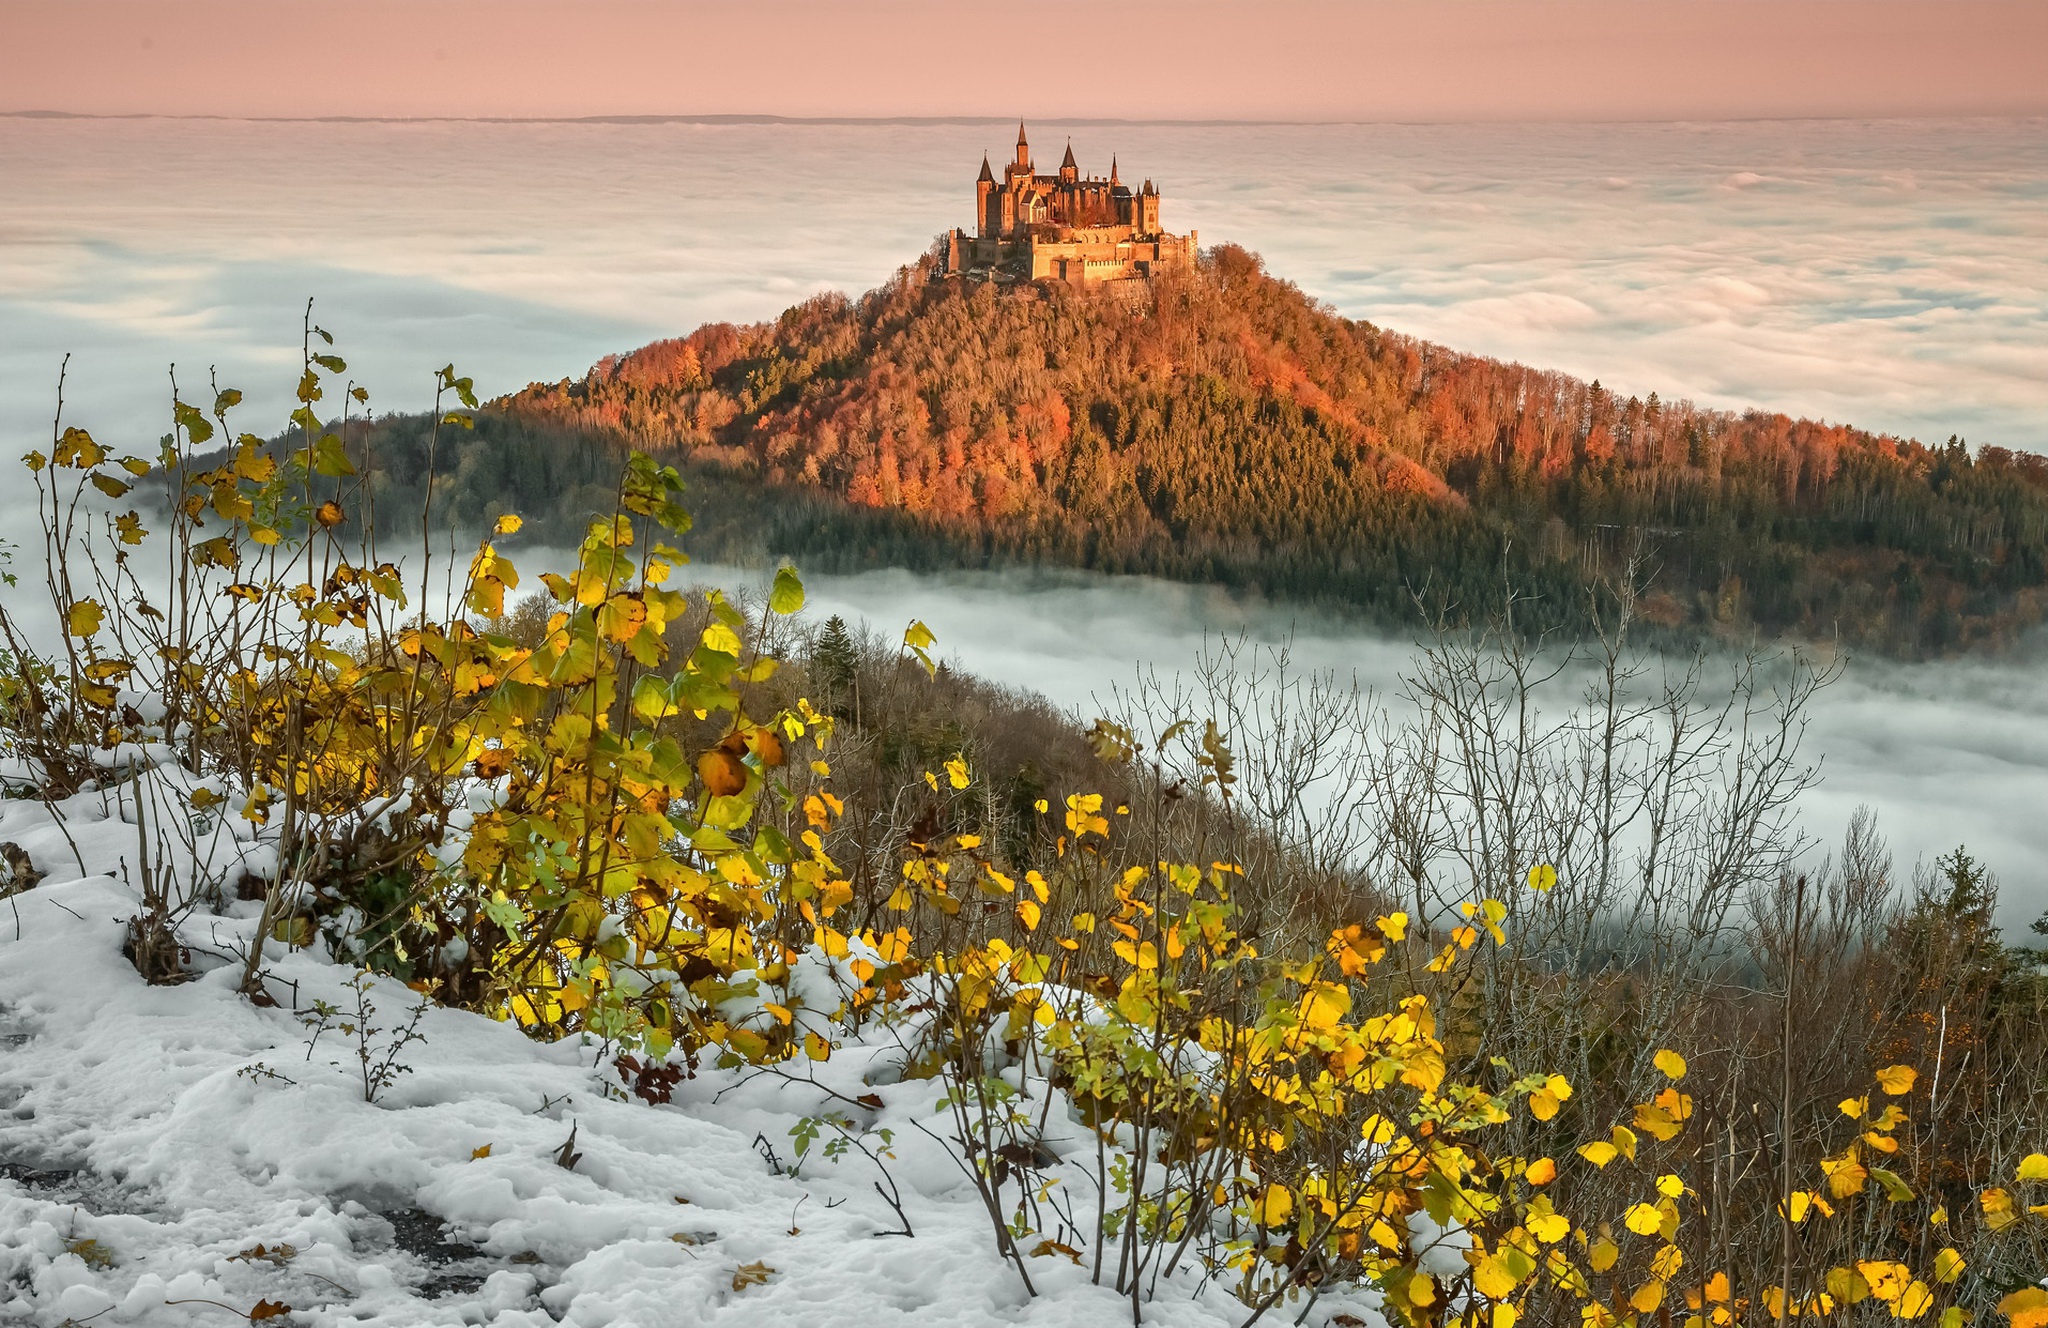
[(1599, 1152), (1998, 1208), (721, 638), (1670, 1186), (1888, 1280), (2034, 1166), (1602, 1253), (1541, 1172), (1549, 1228), (1648, 1297), (1625, 1140), (816, 1047), (477, 1153), (1543, 1104), (1656, 1122), (1276, 1205), (2027, 1308), (1671, 1063), (1542, 877), (1393, 926), (84, 618), (1897, 1079), (1846, 1176), (1948, 1265), (751, 1274), (1325, 1005), (1028, 913), (1492, 1279), (508, 524), (1643, 1219)]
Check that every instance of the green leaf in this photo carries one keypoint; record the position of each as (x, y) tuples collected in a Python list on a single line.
[(505, 912), (195, 424), (329, 457), (331, 363), (788, 594), (226, 400), (464, 388), (650, 698)]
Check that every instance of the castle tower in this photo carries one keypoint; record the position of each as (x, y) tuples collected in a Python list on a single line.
[(984, 187), (1022, 166), (1069, 172)]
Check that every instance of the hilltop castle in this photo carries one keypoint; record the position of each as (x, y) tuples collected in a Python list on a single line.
[(1064, 227)]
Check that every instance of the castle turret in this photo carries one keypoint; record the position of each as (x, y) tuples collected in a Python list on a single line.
[(1022, 166), (1147, 218), (1069, 171), (984, 187)]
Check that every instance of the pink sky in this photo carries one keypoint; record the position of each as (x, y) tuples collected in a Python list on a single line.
[(1282, 59)]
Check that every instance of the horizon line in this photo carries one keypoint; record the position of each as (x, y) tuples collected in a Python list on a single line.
[(937, 120)]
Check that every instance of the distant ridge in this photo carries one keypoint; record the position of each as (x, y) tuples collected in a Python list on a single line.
[(913, 120)]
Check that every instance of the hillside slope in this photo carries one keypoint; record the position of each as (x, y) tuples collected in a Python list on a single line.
[(1223, 427)]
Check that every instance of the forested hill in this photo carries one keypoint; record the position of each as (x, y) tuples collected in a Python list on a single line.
[(1220, 426)]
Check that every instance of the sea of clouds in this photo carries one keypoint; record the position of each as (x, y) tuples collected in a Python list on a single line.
[(1945, 755), (1888, 274)]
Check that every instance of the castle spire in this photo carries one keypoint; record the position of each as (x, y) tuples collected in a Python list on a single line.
[(1068, 163), (1112, 169), (986, 173), (1023, 148)]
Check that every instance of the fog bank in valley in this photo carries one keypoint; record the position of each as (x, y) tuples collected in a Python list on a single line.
[(1892, 275), (1947, 753)]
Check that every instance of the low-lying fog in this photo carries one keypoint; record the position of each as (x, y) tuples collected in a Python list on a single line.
[(1949, 753), (1892, 274)]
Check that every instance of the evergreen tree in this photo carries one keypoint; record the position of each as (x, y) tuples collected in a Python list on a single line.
[(836, 662)]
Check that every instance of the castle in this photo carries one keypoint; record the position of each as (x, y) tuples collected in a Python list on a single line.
[(1064, 227)]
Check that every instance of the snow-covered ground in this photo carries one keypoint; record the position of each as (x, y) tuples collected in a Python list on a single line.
[(178, 1155)]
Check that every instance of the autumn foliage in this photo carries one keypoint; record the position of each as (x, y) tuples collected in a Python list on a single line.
[(1219, 425)]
